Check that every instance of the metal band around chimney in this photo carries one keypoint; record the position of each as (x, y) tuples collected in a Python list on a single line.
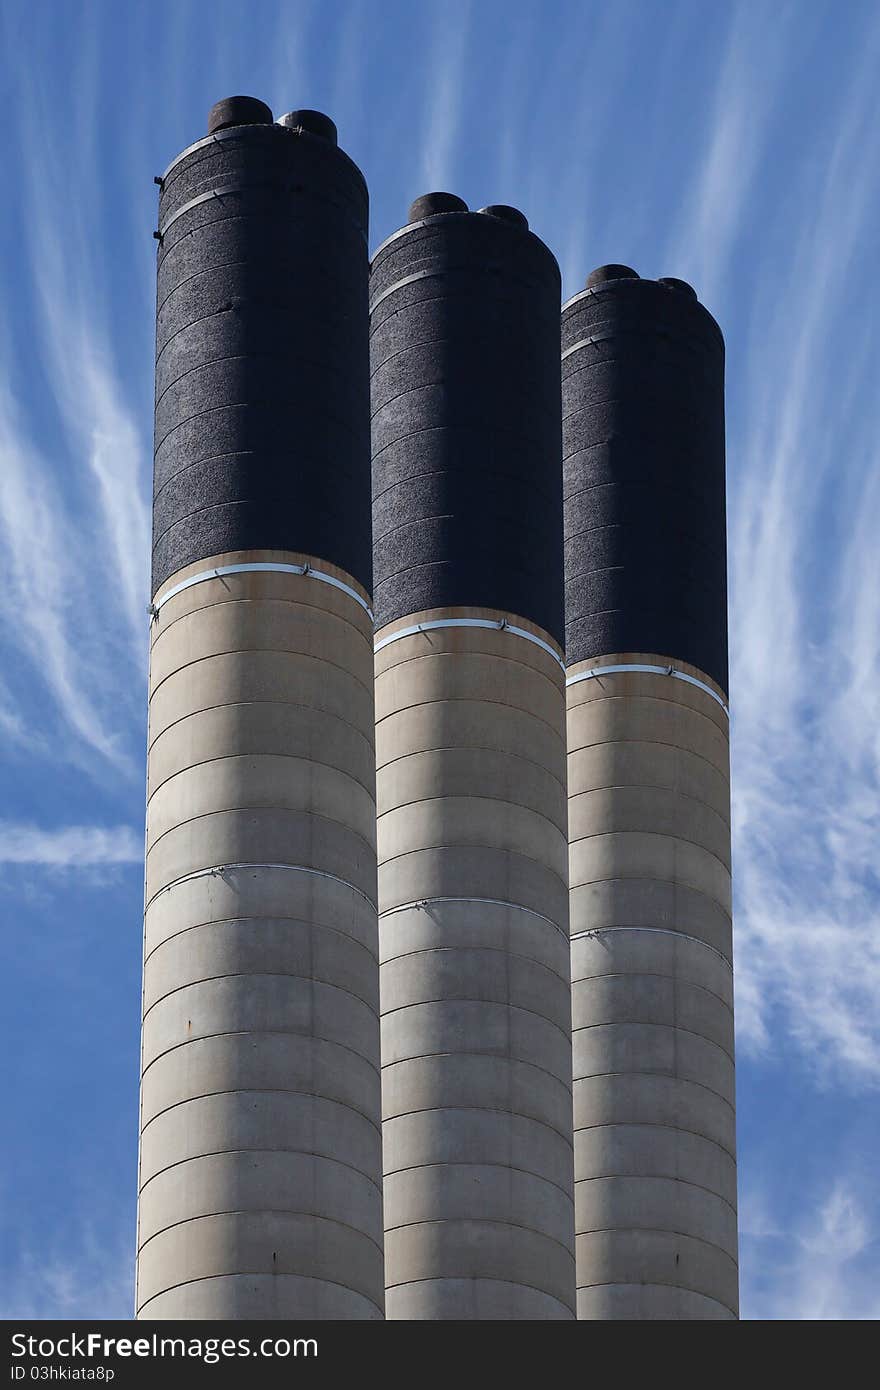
[(499, 625), (259, 567), (217, 870), (230, 190), (598, 932), (652, 670), (422, 904)]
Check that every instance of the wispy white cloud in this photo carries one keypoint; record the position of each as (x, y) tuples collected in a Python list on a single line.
[(748, 88), (444, 80), (48, 610), (70, 847), (16, 730), (805, 575), (823, 1266), (87, 1271), (74, 528), (288, 89), (101, 433)]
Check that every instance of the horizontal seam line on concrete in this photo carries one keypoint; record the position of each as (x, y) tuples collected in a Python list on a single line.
[(266, 917), (167, 624), (493, 849), (264, 975), (462, 1053), (309, 758), (218, 870), (259, 1090), (443, 380), (278, 354), (212, 458), (399, 526), (651, 975), (257, 1273), (205, 507), (472, 796), (472, 700), (658, 931), (484, 1221), (477, 1110), (478, 1163), (415, 630), (658, 1177), (672, 883), (662, 700), (658, 1284), (258, 1211), (204, 270), (421, 903), (471, 624), (277, 704), (689, 488), (340, 420), (722, 772), (665, 1076), (220, 1153), (499, 950), (660, 1231), (244, 810), (652, 1023), (197, 463), (412, 478), (414, 565), (678, 838), (655, 1124), (655, 835), (202, 318), (484, 1003), (469, 748), (681, 411), (434, 429), (653, 743), (259, 651), (263, 917), (483, 1279), (649, 787)]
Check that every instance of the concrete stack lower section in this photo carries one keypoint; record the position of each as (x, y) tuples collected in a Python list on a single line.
[(476, 1009), (652, 992), (260, 1168)]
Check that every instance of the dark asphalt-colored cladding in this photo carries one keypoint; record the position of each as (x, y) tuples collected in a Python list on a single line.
[(643, 473), (464, 348), (262, 355)]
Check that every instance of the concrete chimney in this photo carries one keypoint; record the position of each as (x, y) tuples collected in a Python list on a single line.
[(260, 1167), (649, 801), (470, 737)]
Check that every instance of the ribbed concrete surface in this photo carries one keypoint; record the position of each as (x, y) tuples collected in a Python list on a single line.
[(652, 995), (476, 1010), (260, 1165)]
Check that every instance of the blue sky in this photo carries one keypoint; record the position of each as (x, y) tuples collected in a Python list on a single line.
[(734, 145)]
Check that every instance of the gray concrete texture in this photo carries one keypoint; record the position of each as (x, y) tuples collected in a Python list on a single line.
[(474, 983), (260, 1163), (652, 995)]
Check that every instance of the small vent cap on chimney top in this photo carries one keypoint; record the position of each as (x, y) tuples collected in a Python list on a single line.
[(238, 111), (432, 203)]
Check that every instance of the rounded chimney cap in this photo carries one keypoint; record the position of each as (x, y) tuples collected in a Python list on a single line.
[(682, 286), (238, 111), (604, 273), (313, 123), (432, 203), (507, 214)]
